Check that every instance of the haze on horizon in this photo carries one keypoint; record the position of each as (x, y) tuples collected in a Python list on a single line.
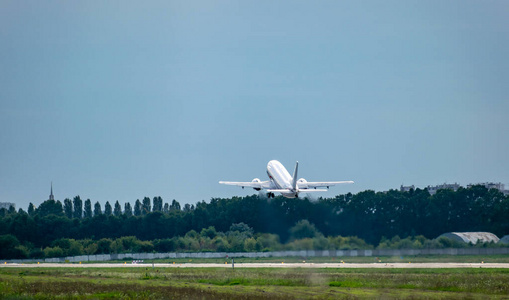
[(121, 100)]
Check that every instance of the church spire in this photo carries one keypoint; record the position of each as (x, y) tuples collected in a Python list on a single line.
[(51, 197)]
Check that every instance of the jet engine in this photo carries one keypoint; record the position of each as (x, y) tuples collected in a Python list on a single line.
[(256, 180), (302, 183)]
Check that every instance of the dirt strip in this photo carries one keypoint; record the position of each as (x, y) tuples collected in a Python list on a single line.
[(264, 265)]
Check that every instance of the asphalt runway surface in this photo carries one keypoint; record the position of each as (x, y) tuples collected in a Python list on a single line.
[(265, 265)]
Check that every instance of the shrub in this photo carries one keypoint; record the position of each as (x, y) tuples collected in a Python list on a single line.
[(209, 232), (303, 229), (250, 245), (53, 252), (164, 245), (8, 243), (320, 243)]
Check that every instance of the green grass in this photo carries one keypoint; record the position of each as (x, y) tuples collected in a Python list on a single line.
[(250, 283)]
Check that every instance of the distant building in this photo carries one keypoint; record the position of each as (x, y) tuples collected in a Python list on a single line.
[(504, 240), (492, 185), (406, 188), (446, 186), (471, 237), (7, 205)]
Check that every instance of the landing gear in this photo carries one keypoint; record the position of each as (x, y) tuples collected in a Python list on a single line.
[(270, 195)]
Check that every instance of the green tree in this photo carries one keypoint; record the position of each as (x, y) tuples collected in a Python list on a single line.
[(221, 244), (50, 207), (166, 208), (175, 205), (104, 246), (164, 245), (53, 252), (78, 207), (146, 206), (68, 208), (303, 229), (24, 228), (87, 213), (209, 232), (117, 211), (107, 209), (250, 245), (31, 209), (97, 209), (8, 244), (242, 228), (158, 204), (137, 208), (128, 211)]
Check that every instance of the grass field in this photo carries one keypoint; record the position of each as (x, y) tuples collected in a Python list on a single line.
[(225, 283)]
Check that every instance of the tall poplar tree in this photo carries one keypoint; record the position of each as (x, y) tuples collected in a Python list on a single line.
[(78, 207), (146, 206), (128, 211), (117, 211), (137, 208), (31, 209), (158, 204), (97, 209), (107, 209), (68, 208), (175, 205), (87, 213)]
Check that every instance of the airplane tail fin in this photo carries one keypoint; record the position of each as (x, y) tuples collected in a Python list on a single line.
[(294, 179)]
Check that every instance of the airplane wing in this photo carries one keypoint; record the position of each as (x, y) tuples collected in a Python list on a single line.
[(300, 190), (251, 184), (312, 190), (324, 183), (279, 191)]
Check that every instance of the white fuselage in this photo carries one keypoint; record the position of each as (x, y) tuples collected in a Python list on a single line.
[(280, 177)]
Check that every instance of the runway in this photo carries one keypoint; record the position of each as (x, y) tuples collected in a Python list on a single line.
[(266, 265)]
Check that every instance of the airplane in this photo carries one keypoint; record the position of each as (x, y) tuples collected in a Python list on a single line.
[(280, 181)]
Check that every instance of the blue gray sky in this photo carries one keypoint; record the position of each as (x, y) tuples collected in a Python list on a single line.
[(117, 100)]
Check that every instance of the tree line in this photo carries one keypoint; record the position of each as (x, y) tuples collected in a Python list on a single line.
[(240, 238), (371, 216)]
